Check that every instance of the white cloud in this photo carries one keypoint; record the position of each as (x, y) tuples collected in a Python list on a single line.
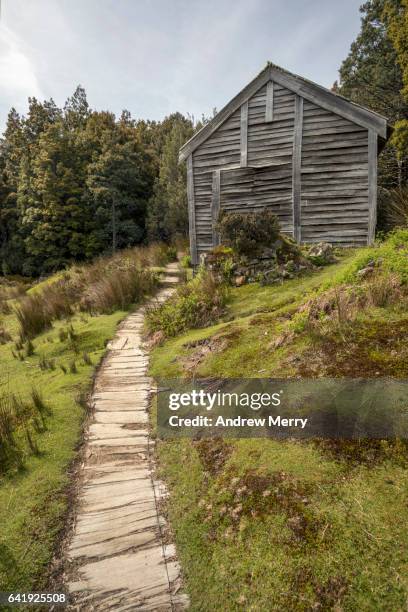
[(17, 75)]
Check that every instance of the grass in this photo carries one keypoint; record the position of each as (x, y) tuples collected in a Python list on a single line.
[(108, 284), (33, 499), (195, 303), (249, 306), (53, 335), (268, 525)]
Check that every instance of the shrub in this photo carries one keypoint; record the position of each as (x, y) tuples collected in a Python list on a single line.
[(221, 261), (248, 233), (198, 303), (186, 261)]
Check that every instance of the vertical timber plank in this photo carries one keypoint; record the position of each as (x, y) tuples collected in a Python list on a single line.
[(215, 204), (269, 102), (244, 135), (372, 185), (191, 211), (296, 169)]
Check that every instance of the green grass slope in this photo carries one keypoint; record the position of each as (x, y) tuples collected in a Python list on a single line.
[(33, 500), (267, 525), (52, 337)]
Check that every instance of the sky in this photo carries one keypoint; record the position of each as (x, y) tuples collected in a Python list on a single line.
[(154, 57)]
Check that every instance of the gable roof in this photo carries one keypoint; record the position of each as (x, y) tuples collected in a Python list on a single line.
[(303, 87)]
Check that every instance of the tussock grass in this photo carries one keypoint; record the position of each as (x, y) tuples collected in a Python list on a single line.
[(108, 284), (11, 455), (72, 367), (4, 335), (86, 358), (33, 316), (117, 289), (19, 419)]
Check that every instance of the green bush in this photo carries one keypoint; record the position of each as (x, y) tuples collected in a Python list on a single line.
[(198, 303), (248, 233), (221, 261)]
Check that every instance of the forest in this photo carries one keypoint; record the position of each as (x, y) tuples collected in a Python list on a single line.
[(76, 183)]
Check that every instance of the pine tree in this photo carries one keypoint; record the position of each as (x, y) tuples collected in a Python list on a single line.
[(167, 211), (397, 22), (371, 76), (120, 183)]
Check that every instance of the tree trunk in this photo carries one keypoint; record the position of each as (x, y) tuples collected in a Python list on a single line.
[(113, 225)]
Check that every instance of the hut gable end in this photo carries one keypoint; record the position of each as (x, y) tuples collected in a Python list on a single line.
[(289, 145)]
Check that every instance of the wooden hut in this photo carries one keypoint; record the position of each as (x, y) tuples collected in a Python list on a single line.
[(294, 147)]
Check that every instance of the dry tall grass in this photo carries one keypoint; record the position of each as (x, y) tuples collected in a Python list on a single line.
[(396, 207), (108, 284)]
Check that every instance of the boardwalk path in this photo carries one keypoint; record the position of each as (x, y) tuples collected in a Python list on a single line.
[(117, 559)]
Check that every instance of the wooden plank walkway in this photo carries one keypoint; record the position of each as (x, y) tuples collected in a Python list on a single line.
[(117, 557)]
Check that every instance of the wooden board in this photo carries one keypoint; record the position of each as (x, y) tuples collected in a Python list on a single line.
[(244, 134), (296, 169), (191, 210)]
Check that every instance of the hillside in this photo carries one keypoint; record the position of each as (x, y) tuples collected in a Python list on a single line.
[(262, 524), (52, 337)]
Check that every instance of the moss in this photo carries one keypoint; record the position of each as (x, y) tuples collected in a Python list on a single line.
[(263, 524)]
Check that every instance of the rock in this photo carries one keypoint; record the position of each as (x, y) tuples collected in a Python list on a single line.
[(240, 280), (365, 272), (324, 251), (268, 254)]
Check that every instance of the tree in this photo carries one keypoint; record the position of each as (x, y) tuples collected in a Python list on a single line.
[(371, 76), (120, 182), (50, 201), (397, 26), (12, 147), (167, 212), (75, 182)]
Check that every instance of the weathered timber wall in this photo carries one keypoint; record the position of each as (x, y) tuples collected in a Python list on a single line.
[(307, 164), (334, 180), (220, 150)]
